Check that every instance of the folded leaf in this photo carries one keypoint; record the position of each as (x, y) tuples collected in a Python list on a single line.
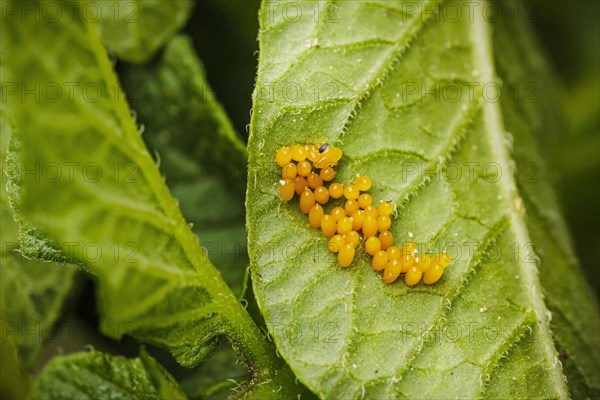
[(32, 292), (198, 150), (410, 93), (95, 375)]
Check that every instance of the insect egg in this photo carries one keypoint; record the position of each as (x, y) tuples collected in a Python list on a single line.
[(286, 190), (383, 223), (363, 183), (322, 195), (380, 260), (423, 262), (338, 213), (346, 255), (387, 239), (344, 225), (336, 190), (394, 253), (352, 237), (304, 168), (299, 185), (327, 173), (351, 192), (289, 171), (315, 215), (372, 245), (372, 211), (299, 153), (314, 180), (433, 274), (413, 276), (369, 226), (328, 225), (385, 208), (283, 156), (351, 207), (335, 243), (392, 271), (307, 201), (365, 200), (358, 217)]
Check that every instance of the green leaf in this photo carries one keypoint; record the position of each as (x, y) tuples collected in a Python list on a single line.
[(113, 211), (198, 150), (95, 375), (407, 91), (134, 30), (32, 292)]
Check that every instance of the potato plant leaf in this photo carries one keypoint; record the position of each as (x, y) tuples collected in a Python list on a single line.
[(32, 292), (198, 150), (421, 97), (134, 30), (96, 375), (110, 208)]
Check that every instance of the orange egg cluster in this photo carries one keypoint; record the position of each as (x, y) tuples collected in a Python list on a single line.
[(306, 170)]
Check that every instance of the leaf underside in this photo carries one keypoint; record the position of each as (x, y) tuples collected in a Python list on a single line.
[(100, 375), (32, 292), (399, 86), (109, 209)]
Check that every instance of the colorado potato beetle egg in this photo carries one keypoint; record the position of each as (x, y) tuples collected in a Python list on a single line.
[(372, 245), (351, 207), (392, 271), (299, 153), (369, 227), (314, 180), (327, 173), (299, 185), (304, 168), (289, 171), (346, 255), (352, 237), (286, 190), (358, 217), (383, 223), (365, 200), (307, 201), (336, 190), (355, 215), (387, 239), (283, 156), (433, 274), (328, 225), (413, 276), (344, 225), (322, 195), (315, 215), (351, 192), (394, 253), (385, 208), (335, 243), (363, 183), (423, 262), (380, 260), (338, 213)]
